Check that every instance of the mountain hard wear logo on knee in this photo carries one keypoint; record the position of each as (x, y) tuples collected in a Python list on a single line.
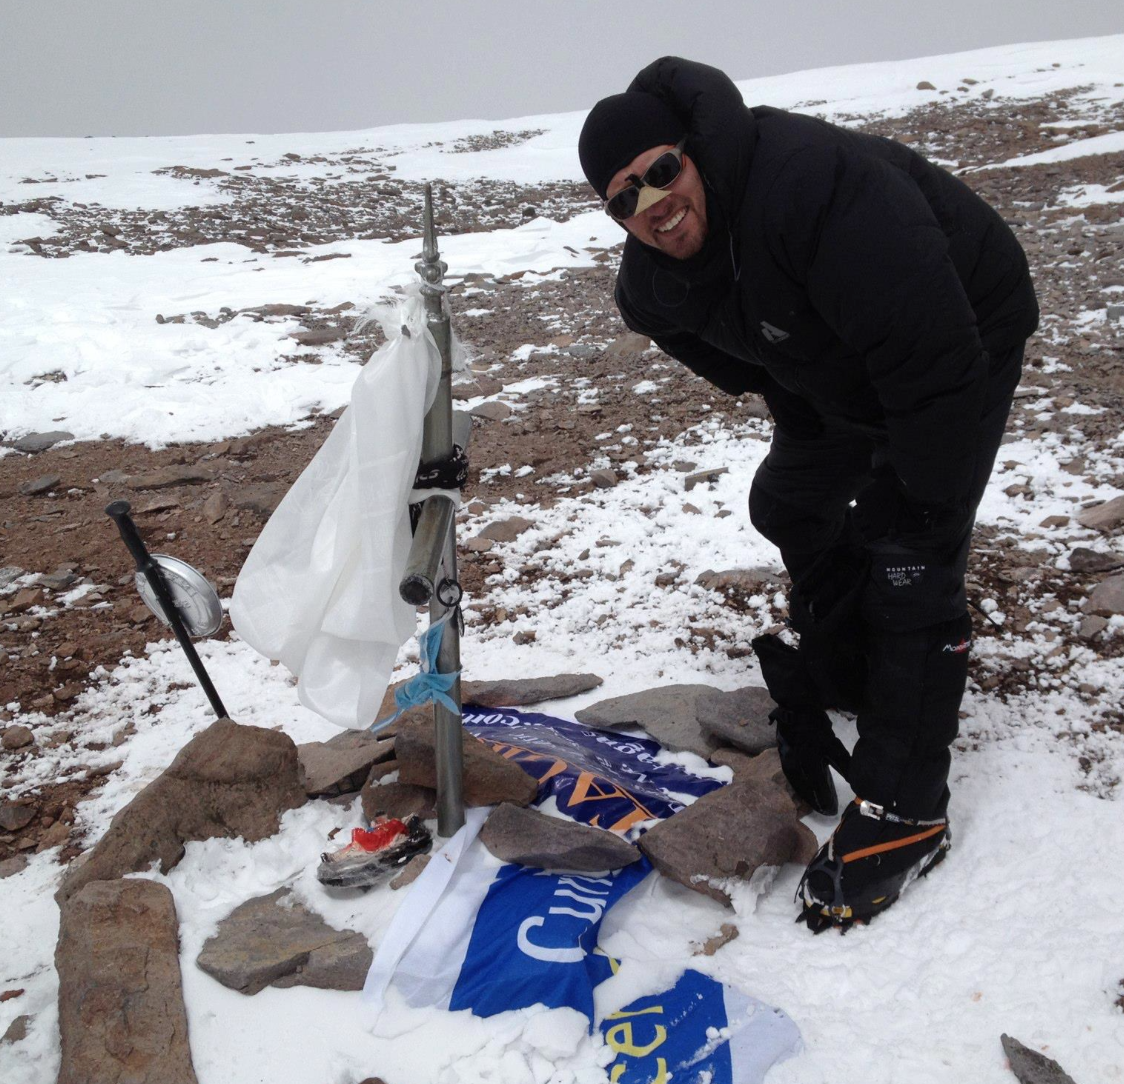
[(773, 334), (905, 575), (959, 648)]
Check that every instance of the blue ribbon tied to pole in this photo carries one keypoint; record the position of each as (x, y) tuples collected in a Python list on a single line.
[(428, 684)]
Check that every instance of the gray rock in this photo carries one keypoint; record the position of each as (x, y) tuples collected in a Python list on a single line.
[(729, 833), (9, 574), (506, 530), (9, 867), (488, 385), (464, 390), (17, 737), (603, 478), (175, 475), (342, 763), (40, 442), (627, 345), (1107, 598), (228, 781), (17, 1030), (701, 476), (518, 692), (275, 941), (59, 580), (15, 816), (36, 487), (121, 1011), (1103, 517), (739, 718), (399, 800), (925, 85), (488, 777), (1030, 1066), (411, 872), (214, 507), (1083, 559), (492, 411), (668, 714), (320, 336), (1092, 626), (750, 581), (260, 497), (530, 838)]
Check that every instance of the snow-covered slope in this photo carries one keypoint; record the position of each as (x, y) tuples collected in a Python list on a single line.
[(1019, 931)]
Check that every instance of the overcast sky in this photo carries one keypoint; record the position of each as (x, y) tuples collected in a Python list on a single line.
[(170, 67)]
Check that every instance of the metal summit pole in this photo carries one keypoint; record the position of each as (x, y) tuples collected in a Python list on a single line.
[(432, 570)]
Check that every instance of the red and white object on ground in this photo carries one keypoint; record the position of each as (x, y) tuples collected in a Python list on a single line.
[(374, 854)]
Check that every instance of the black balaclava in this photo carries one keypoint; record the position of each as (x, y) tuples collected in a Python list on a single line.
[(619, 128)]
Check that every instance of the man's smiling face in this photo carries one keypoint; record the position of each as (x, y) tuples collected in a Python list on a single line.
[(677, 223)]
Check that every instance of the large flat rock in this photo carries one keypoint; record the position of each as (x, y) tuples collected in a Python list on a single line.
[(530, 838), (727, 835), (1107, 598), (1103, 517), (228, 781), (275, 941), (399, 800), (342, 763), (739, 718), (121, 1013), (668, 714), (488, 778), (519, 692)]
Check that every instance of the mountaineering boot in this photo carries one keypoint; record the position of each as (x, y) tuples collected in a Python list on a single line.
[(871, 857), (809, 750)]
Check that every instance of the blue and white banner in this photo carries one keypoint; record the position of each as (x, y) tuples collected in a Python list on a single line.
[(491, 937), (598, 777), (699, 1030), (481, 935)]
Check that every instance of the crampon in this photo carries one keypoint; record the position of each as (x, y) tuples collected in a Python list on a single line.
[(374, 855), (871, 858)]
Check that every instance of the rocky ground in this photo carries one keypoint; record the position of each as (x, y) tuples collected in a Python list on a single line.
[(563, 406)]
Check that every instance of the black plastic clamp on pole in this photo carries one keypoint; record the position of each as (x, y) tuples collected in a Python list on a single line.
[(118, 511)]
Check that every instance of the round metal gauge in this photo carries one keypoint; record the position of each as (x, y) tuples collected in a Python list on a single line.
[(197, 601)]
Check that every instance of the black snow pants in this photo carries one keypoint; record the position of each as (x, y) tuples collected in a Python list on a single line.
[(878, 597)]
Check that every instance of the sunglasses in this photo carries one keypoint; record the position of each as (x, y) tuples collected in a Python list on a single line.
[(659, 175)]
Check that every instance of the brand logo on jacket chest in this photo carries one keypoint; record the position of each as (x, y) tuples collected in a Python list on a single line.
[(772, 333)]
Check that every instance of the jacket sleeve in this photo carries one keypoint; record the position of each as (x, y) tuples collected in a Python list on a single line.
[(857, 232), (731, 375)]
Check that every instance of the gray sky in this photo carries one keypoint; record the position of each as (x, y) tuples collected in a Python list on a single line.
[(170, 67)]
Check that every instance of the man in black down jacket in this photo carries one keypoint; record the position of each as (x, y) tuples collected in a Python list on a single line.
[(881, 308)]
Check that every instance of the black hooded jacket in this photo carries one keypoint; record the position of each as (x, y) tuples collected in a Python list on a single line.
[(843, 276)]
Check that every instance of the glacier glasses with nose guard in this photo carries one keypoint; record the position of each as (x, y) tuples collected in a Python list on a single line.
[(644, 191)]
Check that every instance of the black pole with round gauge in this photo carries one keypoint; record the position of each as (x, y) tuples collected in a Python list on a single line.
[(176, 593)]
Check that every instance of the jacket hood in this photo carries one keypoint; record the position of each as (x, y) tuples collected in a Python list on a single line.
[(721, 130)]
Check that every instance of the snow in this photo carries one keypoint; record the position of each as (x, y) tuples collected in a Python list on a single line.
[(1089, 195), (1019, 931), (92, 318), (1109, 143)]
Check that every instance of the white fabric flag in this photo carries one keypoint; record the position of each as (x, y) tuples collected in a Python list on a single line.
[(319, 589)]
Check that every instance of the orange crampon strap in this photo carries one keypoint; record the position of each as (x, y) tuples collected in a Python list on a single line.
[(879, 848)]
